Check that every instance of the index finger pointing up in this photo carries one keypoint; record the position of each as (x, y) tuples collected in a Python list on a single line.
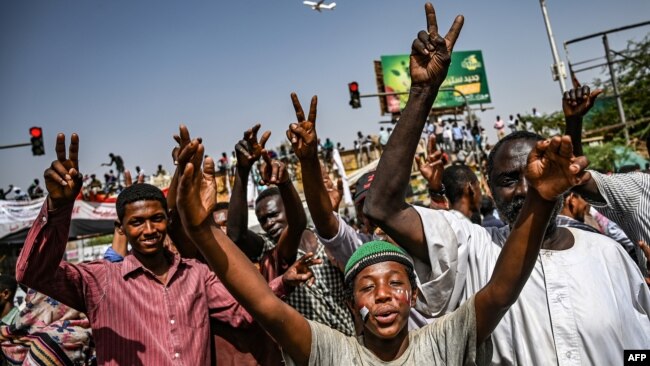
[(254, 130), (432, 22), (300, 114), (60, 147), (431, 145)]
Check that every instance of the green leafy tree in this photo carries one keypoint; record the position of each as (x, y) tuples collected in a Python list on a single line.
[(605, 156), (546, 125)]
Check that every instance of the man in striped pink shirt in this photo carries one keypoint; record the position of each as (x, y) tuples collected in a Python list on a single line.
[(151, 309)]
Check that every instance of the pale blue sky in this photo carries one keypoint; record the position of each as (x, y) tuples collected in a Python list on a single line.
[(125, 73)]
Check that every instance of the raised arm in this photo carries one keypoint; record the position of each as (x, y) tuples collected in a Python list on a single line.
[(575, 105), (275, 172), (175, 229), (248, 151), (432, 169), (302, 136), (40, 264), (385, 203), (552, 169), (237, 272)]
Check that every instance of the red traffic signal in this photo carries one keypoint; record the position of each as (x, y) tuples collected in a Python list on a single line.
[(355, 98), (37, 141), (36, 132)]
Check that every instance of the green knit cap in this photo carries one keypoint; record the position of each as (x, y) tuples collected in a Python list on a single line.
[(372, 253)]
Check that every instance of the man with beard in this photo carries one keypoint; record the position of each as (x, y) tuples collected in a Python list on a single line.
[(282, 217), (585, 300), (580, 276)]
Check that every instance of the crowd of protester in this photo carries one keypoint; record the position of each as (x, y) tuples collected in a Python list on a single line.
[(535, 260), (34, 191)]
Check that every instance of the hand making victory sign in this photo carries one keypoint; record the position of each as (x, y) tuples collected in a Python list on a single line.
[(334, 191), (431, 53), (249, 150), (433, 166), (183, 140), (432, 169), (63, 179), (429, 62), (303, 133), (203, 182)]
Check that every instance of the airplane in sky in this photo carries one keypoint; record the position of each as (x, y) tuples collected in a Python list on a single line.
[(319, 5)]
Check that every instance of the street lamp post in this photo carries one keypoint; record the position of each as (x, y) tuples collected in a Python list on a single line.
[(558, 66)]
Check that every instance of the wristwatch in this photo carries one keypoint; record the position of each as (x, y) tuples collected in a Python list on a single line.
[(440, 192)]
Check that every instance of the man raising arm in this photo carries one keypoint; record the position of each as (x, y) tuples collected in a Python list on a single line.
[(623, 198), (385, 204), (382, 291)]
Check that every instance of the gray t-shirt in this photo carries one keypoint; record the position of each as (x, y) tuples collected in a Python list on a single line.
[(450, 340)]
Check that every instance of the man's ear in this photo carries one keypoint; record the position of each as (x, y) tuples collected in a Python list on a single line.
[(118, 227), (5, 294), (469, 193), (170, 215), (350, 305), (356, 316), (469, 189), (414, 297), (568, 202)]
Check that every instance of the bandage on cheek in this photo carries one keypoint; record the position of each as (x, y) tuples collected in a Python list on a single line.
[(365, 313)]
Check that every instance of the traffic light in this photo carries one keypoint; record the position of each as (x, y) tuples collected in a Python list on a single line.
[(355, 98), (37, 141)]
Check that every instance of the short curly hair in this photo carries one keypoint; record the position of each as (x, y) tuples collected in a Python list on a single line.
[(138, 192)]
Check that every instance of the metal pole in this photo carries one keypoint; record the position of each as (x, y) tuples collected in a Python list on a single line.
[(619, 102), (15, 145), (453, 90), (383, 94), (558, 66)]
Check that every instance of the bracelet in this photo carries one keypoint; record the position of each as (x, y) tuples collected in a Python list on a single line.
[(440, 192)]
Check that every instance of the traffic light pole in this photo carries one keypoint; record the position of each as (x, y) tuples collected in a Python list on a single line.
[(451, 90), (15, 145), (381, 94), (469, 111)]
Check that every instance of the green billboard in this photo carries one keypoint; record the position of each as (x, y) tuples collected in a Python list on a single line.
[(466, 74)]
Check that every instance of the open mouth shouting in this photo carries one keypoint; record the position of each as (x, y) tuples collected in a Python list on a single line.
[(385, 315)]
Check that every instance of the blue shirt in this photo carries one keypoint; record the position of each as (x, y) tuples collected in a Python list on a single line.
[(458, 133)]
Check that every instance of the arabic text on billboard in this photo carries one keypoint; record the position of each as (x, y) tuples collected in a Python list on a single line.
[(466, 74)]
